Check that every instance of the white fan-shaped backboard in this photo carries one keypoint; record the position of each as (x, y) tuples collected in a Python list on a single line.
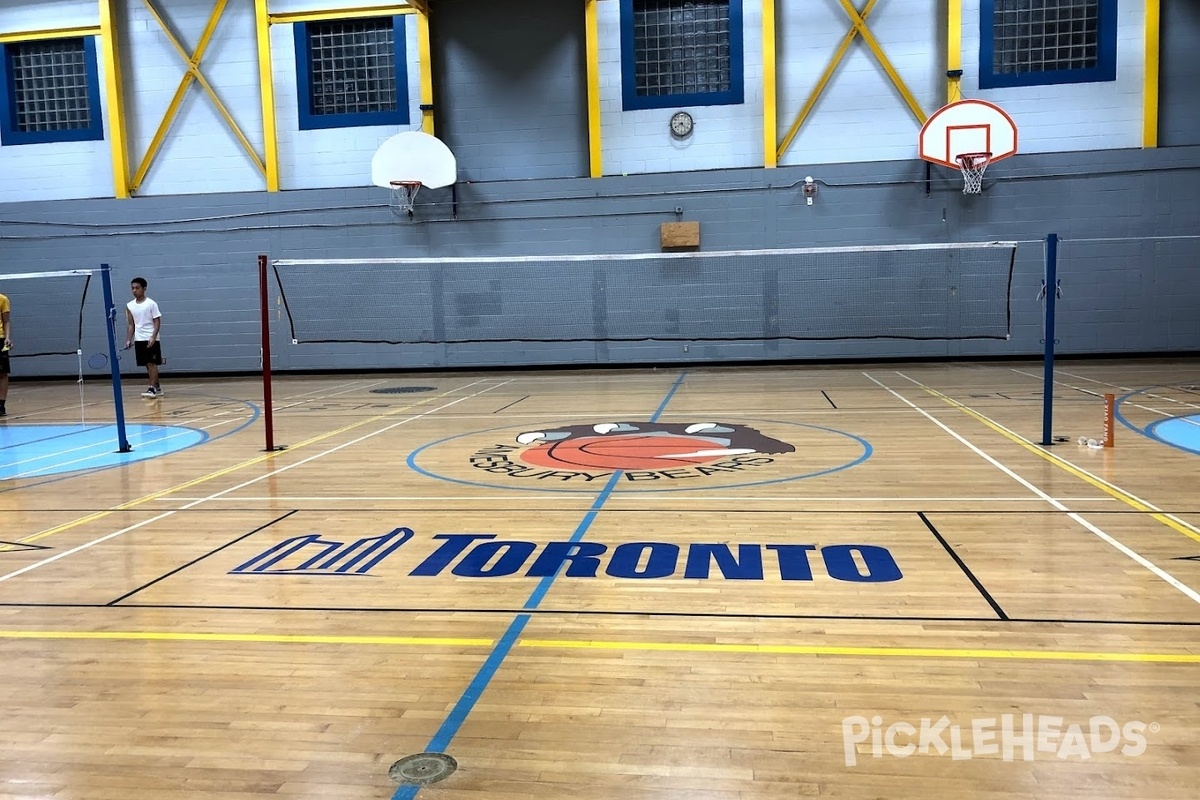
[(968, 126), (414, 156)]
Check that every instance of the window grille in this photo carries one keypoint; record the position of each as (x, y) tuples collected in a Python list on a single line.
[(49, 84), (685, 52), (1044, 42), (1045, 35), (352, 72), (352, 66), (681, 46)]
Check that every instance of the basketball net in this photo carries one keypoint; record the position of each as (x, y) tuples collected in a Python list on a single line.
[(403, 195), (973, 166)]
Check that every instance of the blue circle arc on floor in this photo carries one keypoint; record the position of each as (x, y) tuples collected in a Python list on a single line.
[(32, 451), (1182, 432)]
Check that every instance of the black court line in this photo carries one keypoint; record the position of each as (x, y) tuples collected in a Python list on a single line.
[(22, 547), (827, 398), (199, 559), (513, 403), (595, 613), (961, 565)]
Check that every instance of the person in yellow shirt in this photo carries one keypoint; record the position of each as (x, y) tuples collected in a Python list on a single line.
[(6, 333)]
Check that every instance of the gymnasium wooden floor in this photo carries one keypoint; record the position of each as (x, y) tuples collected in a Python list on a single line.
[(862, 581)]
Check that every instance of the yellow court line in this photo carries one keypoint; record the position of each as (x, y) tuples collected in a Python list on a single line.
[(894, 652), (679, 647), (1067, 466), (66, 526), (271, 638)]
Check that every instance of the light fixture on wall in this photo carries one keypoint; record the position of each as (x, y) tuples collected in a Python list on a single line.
[(810, 189)]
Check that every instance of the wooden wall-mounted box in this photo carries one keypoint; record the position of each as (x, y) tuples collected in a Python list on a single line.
[(680, 235)]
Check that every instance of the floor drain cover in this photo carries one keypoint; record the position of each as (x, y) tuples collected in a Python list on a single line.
[(423, 768), (403, 390)]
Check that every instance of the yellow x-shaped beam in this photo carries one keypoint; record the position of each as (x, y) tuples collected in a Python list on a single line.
[(858, 27), (192, 75)]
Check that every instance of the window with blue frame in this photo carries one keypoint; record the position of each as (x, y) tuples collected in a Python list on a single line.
[(1041, 42), (681, 53), (351, 72), (50, 91)]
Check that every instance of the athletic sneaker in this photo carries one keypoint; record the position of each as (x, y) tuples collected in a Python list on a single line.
[(152, 392)]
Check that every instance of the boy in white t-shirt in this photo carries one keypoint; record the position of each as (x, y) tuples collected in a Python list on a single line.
[(143, 321)]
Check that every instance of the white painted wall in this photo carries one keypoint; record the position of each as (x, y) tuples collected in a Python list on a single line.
[(860, 115), (329, 157), (57, 170), (1071, 116), (47, 14), (200, 153), (639, 141)]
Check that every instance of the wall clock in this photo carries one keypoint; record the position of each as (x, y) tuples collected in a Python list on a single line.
[(681, 125)]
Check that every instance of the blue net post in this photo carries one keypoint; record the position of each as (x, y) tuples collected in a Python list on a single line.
[(1051, 290), (110, 314)]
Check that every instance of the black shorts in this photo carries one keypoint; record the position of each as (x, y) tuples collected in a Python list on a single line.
[(147, 353), (4, 368)]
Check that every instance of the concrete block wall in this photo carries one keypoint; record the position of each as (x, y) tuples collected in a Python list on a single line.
[(860, 115), (61, 169), (1179, 74), (1070, 116), (1118, 298), (511, 106), (330, 157), (514, 111), (639, 140), (201, 153)]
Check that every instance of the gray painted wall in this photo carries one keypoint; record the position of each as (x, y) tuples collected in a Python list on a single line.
[(500, 94), (1179, 74), (199, 252)]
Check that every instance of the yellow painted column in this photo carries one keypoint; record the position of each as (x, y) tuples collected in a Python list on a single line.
[(1150, 88), (591, 22), (770, 123), (115, 103), (266, 88), (425, 60), (953, 50)]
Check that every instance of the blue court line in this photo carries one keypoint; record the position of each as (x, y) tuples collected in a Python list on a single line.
[(867, 452), (445, 734)]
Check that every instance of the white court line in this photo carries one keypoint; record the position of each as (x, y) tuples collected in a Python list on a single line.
[(658, 497), (1155, 395), (53, 469), (250, 482), (1161, 573), (100, 448), (357, 387)]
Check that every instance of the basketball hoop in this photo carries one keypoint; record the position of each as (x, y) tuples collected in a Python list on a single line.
[(973, 166), (403, 195)]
